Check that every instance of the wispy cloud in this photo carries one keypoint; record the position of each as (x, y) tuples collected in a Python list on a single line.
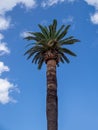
[(68, 19), (1, 36), (4, 23), (29, 3), (50, 2), (3, 68), (24, 34), (93, 3), (4, 49), (8, 5), (93, 17), (54, 2)]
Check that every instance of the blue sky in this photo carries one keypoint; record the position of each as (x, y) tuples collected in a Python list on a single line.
[(23, 86)]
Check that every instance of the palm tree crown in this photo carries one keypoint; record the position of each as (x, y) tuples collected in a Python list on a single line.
[(50, 43)]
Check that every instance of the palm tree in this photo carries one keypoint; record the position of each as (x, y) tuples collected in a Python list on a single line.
[(49, 47)]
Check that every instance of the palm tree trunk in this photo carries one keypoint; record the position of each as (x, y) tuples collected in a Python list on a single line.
[(52, 99)]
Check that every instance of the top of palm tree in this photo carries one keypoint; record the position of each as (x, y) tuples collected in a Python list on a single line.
[(50, 43)]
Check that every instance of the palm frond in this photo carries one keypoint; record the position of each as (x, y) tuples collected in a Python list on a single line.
[(61, 59), (31, 38), (31, 54), (30, 44), (40, 62), (59, 31), (39, 35), (44, 31), (65, 50), (63, 33), (36, 57), (54, 25), (64, 57), (68, 41), (50, 31), (34, 50)]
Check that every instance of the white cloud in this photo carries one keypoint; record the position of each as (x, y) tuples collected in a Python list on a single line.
[(53, 2), (71, 0), (94, 18), (1, 36), (5, 88), (93, 3), (4, 23), (24, 34), (28, 3), (68, 19), (3, 68), (8, 5), (4, 49)]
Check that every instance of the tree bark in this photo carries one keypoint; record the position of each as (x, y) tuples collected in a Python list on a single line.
[(52, 99)]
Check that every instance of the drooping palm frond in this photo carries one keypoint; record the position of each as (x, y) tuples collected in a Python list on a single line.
[(50, 42), (64, 57), (68, 41)]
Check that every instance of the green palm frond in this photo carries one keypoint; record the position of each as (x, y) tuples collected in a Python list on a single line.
[(40, 62), (52, 28), (65, 50), (59, 31), (63, 33), (64, 57), (36, 57), (33, 50), (30, 44), (31, 38), (38, 35), (68, 41), (54, 25), (44, 31), (51, 31), (61, 59)]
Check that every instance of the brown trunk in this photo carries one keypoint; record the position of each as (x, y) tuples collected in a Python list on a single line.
[(52, 99)]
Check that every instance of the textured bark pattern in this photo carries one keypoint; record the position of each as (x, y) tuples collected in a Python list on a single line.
[(52, 101), (51, 55)]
